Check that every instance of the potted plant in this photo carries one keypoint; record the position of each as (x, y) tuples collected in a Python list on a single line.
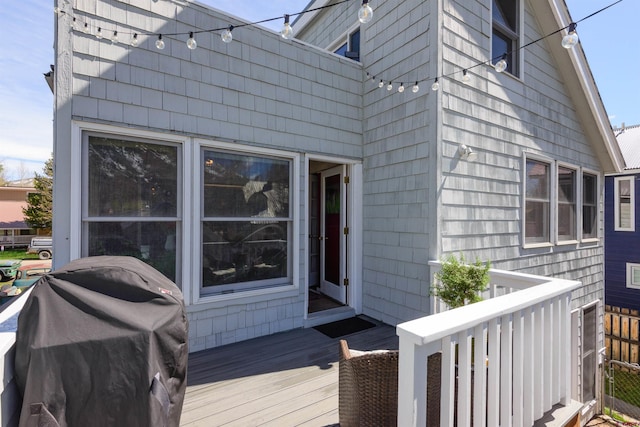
[(458, 283)]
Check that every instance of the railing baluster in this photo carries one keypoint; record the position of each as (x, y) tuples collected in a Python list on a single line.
[(493, 375), (506, 371), (548, 356), (518, 368), (557, 355), (480, 377), (464, 379), (538, 362), (412, 384), (528, 371), (447, 395)]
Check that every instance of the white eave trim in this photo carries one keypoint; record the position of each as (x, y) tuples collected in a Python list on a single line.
[(596, 106), (303, 20)]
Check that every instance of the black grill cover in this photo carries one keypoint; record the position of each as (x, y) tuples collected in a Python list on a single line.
[(102, 342)]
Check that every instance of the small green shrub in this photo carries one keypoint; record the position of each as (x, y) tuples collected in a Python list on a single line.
[(459, 283)]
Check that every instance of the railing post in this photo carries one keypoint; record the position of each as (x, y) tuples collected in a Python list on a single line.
[(412, 383)]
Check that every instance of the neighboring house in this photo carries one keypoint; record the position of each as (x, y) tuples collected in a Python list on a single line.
[(622, 229), (14, 232), (264, 174)]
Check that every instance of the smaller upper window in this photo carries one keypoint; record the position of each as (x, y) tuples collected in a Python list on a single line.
[(567, 213), (350, 47), (505, 39), (624, 208), (633, 276), (537, 202)]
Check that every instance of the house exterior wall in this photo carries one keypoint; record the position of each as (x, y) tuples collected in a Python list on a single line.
[(620, 249), (259, 92), (504, 118)]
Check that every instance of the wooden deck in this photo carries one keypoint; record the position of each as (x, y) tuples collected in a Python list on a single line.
[(286, 379)]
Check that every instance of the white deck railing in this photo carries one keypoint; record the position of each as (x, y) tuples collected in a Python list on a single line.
[(520, 345)]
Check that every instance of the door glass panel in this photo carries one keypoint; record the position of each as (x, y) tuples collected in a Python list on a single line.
[(332, 229)]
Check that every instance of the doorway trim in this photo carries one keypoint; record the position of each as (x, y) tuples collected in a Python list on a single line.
[(354, 221)]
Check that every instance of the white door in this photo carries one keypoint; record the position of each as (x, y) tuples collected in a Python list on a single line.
[(332, 237)]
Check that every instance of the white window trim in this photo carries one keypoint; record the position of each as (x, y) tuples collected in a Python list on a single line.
[(616, 205), (577, 202), (584, 171), (345, 36), (552, 197), (252, 295), (520, 52), (630, 267)]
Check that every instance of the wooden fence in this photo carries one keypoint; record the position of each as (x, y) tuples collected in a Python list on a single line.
[(622, 334)]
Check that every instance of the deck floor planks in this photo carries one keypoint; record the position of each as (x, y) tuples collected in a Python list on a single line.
[(286, 379)]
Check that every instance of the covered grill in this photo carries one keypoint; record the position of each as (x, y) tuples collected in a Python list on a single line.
[(102, 342)]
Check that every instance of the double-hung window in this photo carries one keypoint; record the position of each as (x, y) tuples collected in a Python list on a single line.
[(624, 208), (537, 201), (589, 206), (246, 221), (505, 38), (567, 212), (132, 204)]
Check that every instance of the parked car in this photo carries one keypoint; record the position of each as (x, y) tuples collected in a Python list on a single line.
[(9, 268), (27, 276), (43, 246)]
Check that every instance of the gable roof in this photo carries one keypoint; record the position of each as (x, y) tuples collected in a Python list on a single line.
[(629, 141)]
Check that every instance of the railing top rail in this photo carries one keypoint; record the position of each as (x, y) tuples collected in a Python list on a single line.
[(505, 278), (437, 326)]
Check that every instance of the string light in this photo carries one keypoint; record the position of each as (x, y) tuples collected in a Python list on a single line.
[(226, 35), (365, 13), (501, 65), (287, 31), (571, 39), (191, 42), (160, 42), (465, 77)]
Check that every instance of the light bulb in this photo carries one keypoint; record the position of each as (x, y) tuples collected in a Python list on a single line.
[(287, 31), (85, 29), (571, 39), (415, 88), (435, 85), (99, 33), (401, 88), (365, 13), (160, 42), (114, 37), (501, 65), (226, 35), (381, 84), (191, 43), (134, 40), (56, 10), (465, 77), (390, 86)]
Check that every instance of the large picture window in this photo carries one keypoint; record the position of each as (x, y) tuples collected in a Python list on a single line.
[(246, 221), (567, 215), (537, 202), (624, 209), (132, 201), (505, 33)]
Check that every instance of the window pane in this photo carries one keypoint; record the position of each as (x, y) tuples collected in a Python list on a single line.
[(566, 204), (502, 45), (505, 13), (537, 202), (635, 275), (152, 242), (589, 206), (245, 186), (589, 354), (235, 252), (131, 179), (624, 203), (342, 50)]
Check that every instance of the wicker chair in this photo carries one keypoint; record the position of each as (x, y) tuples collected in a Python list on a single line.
[(368, 388)]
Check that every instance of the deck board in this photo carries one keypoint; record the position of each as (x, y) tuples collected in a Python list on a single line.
[(286, 379)]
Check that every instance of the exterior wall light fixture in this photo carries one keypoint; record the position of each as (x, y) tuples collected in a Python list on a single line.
[(467, 153)]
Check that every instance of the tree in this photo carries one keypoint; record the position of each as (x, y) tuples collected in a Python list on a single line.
[(3, 180), (38, 213)]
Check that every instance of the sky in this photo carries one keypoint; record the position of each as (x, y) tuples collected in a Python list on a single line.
[(26, 52)]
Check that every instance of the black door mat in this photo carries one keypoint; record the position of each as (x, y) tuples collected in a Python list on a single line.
[(344, 327)]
